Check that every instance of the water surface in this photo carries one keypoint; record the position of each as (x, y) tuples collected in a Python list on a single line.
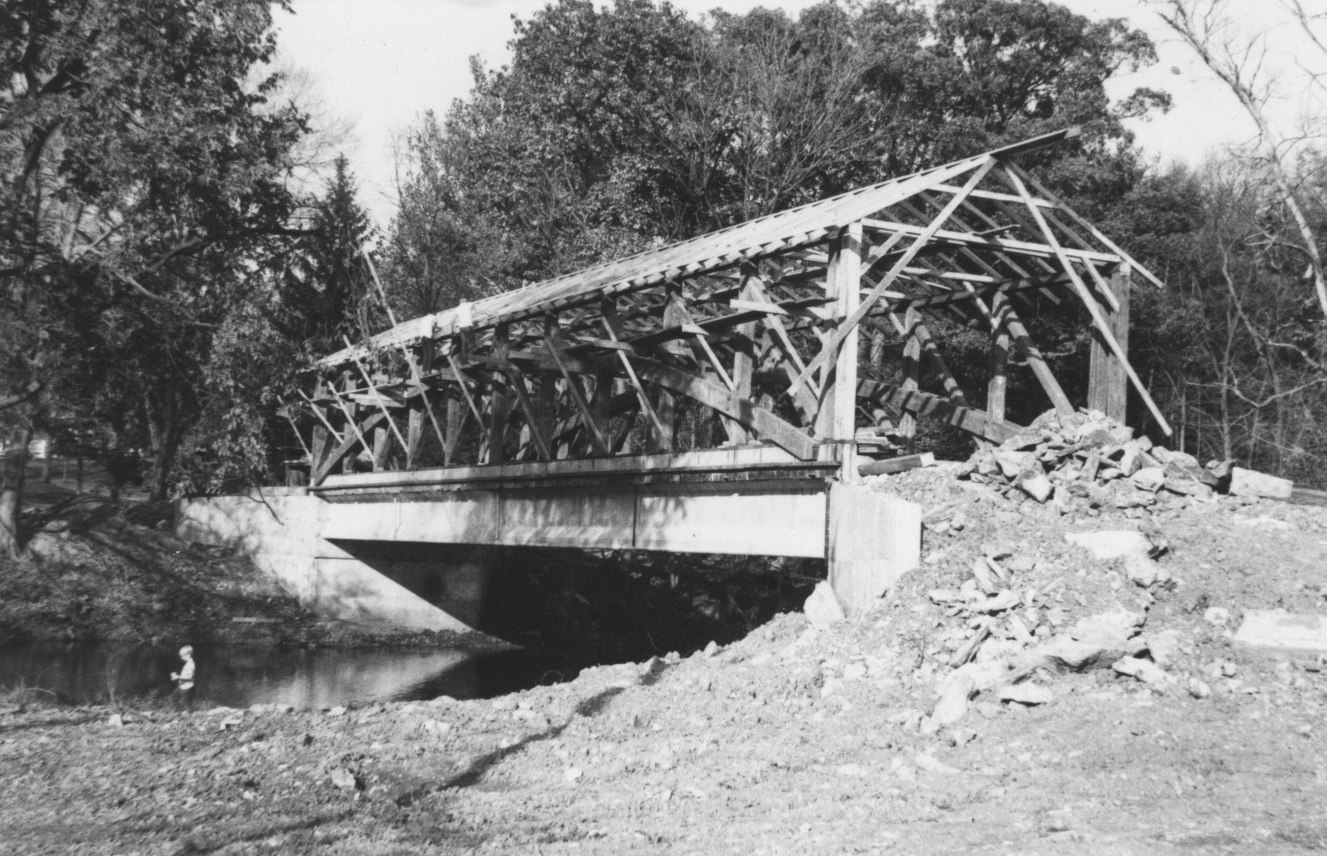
[(240, 675)]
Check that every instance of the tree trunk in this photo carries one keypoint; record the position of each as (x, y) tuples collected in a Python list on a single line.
[(11, 490), (162, 466)]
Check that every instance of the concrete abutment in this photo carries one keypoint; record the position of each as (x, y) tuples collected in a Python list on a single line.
[(424, 561)]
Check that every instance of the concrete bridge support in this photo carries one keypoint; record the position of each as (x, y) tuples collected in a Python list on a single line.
[(281, 530), (423, 560)]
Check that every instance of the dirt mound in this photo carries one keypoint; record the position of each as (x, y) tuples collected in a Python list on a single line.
[(1123, 720)]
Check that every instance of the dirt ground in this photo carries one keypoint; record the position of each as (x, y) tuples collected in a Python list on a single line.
[(799, 738)]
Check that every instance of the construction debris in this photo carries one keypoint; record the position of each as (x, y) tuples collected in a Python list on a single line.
[(1088, 459), (1286, 632), (901, 464), (1251, 483)]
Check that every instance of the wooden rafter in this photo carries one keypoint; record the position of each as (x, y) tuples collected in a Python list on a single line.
[(754, 325)]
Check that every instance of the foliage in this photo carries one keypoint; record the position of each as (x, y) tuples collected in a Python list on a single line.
[(326, 288), (1234, 346), (622, 127), (142, 185)]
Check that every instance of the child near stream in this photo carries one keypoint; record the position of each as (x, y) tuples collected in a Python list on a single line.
[(184, 680)]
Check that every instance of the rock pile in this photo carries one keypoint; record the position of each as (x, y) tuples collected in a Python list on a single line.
[(1086, 458)]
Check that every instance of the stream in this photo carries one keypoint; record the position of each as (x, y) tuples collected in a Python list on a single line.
[(240, 675)]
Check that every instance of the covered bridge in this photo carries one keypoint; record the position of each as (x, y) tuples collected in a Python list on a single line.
[(704, 396)]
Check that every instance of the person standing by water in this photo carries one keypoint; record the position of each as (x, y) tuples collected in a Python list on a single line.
[(184, 679)]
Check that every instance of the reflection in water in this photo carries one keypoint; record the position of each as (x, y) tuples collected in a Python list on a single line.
[(240, 676)]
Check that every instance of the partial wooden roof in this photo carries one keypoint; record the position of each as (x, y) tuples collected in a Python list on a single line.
[(796, 227)]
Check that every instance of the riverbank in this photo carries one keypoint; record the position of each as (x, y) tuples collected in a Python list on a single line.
[(1126, 721)]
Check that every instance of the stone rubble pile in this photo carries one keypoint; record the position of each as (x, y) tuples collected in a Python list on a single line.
[(1006, 629), (1086, 458)]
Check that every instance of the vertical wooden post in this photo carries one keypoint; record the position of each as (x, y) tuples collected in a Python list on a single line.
[(414, 432), (836, 422), (665, 403), (912, 354), (1108, 382), (498, 404), (744, 357), (997, 382), (382, 447), (456, 411), (319, 451)]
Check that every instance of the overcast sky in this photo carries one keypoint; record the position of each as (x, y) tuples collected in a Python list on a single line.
[(379, 64)]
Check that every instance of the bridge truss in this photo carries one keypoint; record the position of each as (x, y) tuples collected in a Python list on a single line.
[(754, 347)]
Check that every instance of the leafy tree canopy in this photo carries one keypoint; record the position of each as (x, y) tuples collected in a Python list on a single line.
[(142, 187), (620, 127)]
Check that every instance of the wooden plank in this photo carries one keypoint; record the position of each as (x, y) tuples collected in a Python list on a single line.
[(414, 436), (901, 464), (552, 342), (319, 451), (517, 384), (379, 400), (923, 335), (805, 399), (734, 459), (1004, 310), (456, 415), (744, 358), (764, 423), (1015, 170), (1103, 328), (997, 383), (756, 306), (1011, 246), (350, 418), (499, 405), (342, 448), (912, 350), (382, 448), (1108, 385), (465, 390), (613, 326), (1105, 290), (844, 329), (844, 283), (924, 404), (929, 301)]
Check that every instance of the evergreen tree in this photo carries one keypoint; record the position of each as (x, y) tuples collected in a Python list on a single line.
[(327, 289)]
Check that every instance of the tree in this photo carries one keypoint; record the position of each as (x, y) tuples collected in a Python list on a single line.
[(325, 289), (623, 127), (141, 172), (1239, 57)]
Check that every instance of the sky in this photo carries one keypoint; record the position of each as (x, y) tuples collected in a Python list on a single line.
[(380, 64)]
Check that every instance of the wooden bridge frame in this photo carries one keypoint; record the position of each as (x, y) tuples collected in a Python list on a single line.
[(731, 352)]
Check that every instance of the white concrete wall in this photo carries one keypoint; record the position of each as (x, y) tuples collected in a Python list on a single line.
[(280, 530)]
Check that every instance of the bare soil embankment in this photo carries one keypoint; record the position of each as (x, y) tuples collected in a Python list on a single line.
[(799, 738)]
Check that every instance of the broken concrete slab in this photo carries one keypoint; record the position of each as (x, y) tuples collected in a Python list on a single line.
[(1278, 631), (1144, 670), (1253, 483), (1113, 544), (1093, 643), (822, 608), (1027, 694)]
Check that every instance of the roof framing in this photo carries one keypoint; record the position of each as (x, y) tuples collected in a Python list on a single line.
[(756, 324)]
